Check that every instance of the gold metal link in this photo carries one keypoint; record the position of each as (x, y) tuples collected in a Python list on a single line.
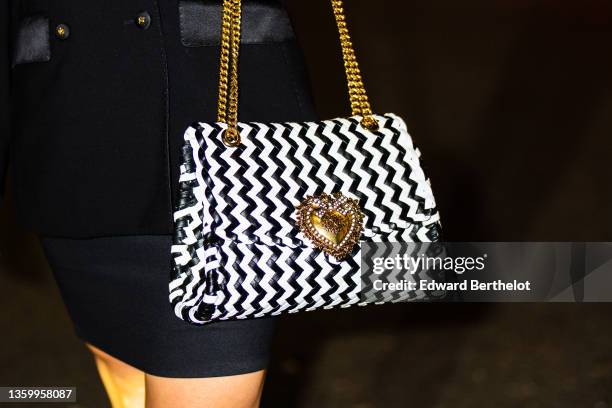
[(226, 26), (228, 72), (235, 43), (360, 105)]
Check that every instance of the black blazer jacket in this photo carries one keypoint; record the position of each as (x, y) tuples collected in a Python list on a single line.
[(95, 97)]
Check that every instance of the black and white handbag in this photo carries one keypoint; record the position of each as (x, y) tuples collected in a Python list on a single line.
[(271, 217)]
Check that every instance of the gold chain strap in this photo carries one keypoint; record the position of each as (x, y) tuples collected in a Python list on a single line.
[(228, 76), (360, 105), (230, 46)]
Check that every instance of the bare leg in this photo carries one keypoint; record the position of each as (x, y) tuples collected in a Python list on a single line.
[(124, 384), (238, 391)]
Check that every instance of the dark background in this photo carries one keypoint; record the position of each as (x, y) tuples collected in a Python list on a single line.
[(510, 103)]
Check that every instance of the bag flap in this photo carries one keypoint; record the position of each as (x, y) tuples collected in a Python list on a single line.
[(249, 193)]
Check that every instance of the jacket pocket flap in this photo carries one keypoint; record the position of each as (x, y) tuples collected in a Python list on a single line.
[(32, 43), (262, 22)]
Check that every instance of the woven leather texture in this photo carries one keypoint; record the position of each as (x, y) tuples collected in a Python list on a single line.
[(237, 250)]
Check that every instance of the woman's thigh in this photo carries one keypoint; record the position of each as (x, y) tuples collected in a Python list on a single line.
[(237, 391)]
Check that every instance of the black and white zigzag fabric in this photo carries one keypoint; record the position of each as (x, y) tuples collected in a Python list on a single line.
[(237, 250)]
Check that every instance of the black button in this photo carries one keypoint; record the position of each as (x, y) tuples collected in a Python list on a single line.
[(143, 20), (62, 31)]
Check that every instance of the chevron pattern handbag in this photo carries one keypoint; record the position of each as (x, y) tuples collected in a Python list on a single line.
[(271, 217)]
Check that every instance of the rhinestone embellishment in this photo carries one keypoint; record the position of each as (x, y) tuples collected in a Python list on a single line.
[(333, 223)]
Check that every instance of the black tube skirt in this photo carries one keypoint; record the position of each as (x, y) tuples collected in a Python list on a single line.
[(116, 293)]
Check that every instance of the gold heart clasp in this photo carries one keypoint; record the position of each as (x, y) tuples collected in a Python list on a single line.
[(333, 223)]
